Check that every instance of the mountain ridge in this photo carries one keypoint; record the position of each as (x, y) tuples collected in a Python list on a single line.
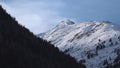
[(87, 41)]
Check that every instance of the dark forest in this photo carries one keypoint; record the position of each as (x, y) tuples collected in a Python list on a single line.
[(20, 48)]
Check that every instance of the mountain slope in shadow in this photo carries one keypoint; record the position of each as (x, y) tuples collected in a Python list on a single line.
[(19, 48)]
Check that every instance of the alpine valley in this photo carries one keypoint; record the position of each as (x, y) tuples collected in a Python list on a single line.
[(95, 43)]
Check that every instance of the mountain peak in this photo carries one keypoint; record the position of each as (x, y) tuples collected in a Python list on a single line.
[(89, 42), (66, 22)]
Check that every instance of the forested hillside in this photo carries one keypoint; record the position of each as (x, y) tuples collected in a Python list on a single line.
[(19, 48)]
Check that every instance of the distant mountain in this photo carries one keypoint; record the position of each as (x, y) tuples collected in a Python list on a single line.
[(94, 43), (19, 48)]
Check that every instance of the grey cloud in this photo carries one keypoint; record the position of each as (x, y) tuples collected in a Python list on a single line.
[(40, 15), (37, 16)]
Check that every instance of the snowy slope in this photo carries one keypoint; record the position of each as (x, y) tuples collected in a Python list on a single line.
[(92, 43)]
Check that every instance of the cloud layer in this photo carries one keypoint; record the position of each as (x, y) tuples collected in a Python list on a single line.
[(38, 16), (41, 15)]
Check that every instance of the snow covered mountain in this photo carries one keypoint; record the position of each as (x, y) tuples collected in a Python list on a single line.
[(96, 44)]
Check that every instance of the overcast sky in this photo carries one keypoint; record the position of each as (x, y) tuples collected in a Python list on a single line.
[(41, 15)]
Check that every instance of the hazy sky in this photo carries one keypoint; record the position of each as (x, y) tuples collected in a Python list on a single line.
[(41, 15)]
